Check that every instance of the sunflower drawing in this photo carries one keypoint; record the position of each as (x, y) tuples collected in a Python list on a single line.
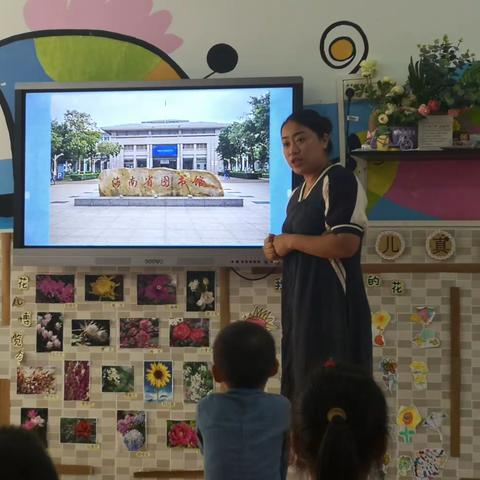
[(158, 381)]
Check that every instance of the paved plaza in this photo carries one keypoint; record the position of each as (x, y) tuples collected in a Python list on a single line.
[(155, 225)]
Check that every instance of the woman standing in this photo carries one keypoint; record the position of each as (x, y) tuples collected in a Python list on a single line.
[(325, 312)]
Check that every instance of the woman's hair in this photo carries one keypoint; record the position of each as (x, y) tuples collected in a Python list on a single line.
[(312, 120), (23, 457), (340, 428)]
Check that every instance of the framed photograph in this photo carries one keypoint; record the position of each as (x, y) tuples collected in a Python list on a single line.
[(104, 288), (76, 380), (139, 332), (190, 332), (78, 430), (36, 380), (158, 381), (200, 291), (132, 429), (197, 381), (36, 421), (55, 289), (49, 332), (158, 289), (182, 434), (90, 333), (117, 379)]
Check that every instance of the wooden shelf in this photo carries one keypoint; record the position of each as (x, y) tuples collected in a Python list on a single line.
[(417, 155)]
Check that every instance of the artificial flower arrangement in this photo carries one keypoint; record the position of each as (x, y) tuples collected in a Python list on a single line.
[(444, 79)]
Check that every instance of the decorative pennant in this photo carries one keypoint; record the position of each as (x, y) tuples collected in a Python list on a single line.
[(434, 421), (408, 418), (380, 321), (427, 338), (388, 368), (423, 316), (389, 245), (419, 371), (23, 282), (405, 466), (262, 316), (428, 463), (440, 245), (397, 287), (374, 281)]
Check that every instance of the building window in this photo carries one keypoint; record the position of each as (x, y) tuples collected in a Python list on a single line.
[(202, 145), (141, 162), (201, 163), (128, 148), (128, 163), (141, 147), (187, 163), (187, 146)]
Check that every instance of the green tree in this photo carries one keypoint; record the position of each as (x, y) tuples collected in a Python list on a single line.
[(76, 137), (106, 149)]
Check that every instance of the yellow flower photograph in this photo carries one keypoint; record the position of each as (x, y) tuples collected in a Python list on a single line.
[(158, 381), (104, 288)]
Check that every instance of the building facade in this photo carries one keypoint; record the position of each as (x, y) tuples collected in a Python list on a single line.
[(177, 144)]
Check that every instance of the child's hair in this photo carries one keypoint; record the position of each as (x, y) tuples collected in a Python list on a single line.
[(244, 353), (341, 424), (312, 120), (23, 457)]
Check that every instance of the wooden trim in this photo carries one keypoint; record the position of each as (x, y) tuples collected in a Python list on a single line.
[(455, 372), (6, 274), (196, 474), (4, 402), (74, 469), (224, 297)]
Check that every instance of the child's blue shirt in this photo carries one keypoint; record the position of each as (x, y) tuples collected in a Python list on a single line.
[(242, 434)]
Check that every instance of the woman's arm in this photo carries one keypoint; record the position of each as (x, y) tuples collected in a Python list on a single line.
[(329, 245)]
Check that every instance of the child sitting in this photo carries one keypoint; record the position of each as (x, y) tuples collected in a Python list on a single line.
[(242, 432), (341, 425)]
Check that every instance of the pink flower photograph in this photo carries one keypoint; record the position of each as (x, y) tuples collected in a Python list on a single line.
[(156, 289), (76, 380), (189, 332), (139, 332), (35, 420), (49, 332), (131, 425), (55, 289), (36, 380), (182, 434)]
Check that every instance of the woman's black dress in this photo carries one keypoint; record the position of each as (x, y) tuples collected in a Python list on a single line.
[(325, 312)]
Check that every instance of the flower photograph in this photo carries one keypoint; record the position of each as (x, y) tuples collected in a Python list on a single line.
[(55, 289), (156, 289), (132, 428), (35, 420), (117, 379), (182, 434), (76, 382), (158, 381), (200, 291), (49, 332), (261, 316), (189, 332), (197, 381), (91, 333), (36, 380), (104, 288), (78, 430), (139, 332)]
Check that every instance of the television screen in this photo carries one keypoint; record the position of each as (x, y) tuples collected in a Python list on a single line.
[(174, 167)]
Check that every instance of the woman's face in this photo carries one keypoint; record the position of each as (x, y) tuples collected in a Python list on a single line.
[(304, 151)]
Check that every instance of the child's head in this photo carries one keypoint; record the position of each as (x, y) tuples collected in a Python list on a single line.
[(244, 356), (341, 425), (22, 456)]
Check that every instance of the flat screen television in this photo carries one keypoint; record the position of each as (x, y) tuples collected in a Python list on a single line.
[(175, 173)]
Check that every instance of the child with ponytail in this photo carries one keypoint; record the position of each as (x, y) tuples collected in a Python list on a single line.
[(341, 425)]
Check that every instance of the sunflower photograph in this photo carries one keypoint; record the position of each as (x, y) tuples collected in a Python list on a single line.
[(158, 381)]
